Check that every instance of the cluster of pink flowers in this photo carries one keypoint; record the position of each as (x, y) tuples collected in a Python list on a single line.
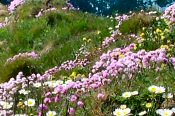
[(108, 40), (121, 18), (172, 60), (42, 12), (32, 55), (5, 23), (170, 13), (69, 6), (14, 4), (2, 25), (111, 64), (122, 61), (67, 65)]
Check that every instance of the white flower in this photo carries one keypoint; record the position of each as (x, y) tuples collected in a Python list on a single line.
[(84, 79), (134, 93), (142, 113), (110, 28), (169, 95), (126, 94), (173, 109), (20, 114), (118, 112), (164, 112), (30, 102), (160, 90), (153, 89), (156, 89), (68, 81), (122, 112), (24, 92), (123, 106), (59, 82), (126, 111), (6, 105), (37, 85), (117, 26), (53, 92), (51, 113), (157, 18), (51, 84)]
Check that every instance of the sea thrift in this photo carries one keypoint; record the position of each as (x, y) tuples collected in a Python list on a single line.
[(14, 4), (169, 13), (32, 55), (71, 111)]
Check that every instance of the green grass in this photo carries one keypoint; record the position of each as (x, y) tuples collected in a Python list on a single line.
[(136, 22)]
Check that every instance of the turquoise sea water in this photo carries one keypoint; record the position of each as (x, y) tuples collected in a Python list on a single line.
[(108, 7), (5, 2)]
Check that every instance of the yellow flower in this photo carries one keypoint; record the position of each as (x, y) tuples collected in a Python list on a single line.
[(84, 39), (167, 30), (162, 37), (163, 66), (89, 40), (98, 32), (142, 34), (165, 46), (162, 34), (73, 74), (135, 46), (121, 56), (143, 39), (20, 104), (148, 105), (158, 30)]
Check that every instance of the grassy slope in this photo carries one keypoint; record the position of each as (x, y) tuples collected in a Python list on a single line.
[(56, 36)]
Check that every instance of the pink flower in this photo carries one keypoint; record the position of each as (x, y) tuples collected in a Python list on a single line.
[(43, 107), (71, 111), (73, 98), (47, 100), (101, 96), (80, 104), (57, 99)]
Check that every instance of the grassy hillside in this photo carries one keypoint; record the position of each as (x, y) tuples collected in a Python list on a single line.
[(70, 63), (56, 36)]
